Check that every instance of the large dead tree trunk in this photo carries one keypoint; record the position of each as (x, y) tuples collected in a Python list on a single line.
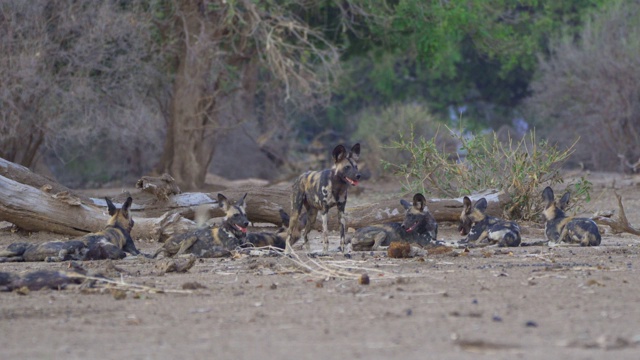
[(40, 209)]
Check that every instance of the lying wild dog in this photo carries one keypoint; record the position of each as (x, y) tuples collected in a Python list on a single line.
[(211, 242), (419, 227), (320, 191), (110, 243), (277, 239), (560, 228), (480, 227)]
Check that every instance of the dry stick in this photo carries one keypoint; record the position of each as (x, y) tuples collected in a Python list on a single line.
[(620, 224), (326, 269), (128, 286)]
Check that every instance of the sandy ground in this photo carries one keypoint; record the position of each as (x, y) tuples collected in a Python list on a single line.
[(529, 303)]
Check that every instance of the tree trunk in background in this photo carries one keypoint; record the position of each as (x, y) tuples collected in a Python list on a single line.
[(191, 131), (208, 97)]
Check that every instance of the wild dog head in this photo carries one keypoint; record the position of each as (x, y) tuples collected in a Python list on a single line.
[(478, 226), (416, 221), (236, 216), (471, 214), (346, 164), (121, 219), (558, 227), (552, 209)]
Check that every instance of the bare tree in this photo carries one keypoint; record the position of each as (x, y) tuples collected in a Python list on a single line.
[(73, 73), (590, 88), (226, 55)]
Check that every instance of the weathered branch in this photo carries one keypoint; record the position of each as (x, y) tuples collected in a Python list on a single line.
[(620, 224)]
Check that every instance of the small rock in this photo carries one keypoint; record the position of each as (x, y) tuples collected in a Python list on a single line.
[(531, 323), (364, 279)]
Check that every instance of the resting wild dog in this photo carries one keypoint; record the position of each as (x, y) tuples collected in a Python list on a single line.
[(110, 243), (418, 227), (320, 191), (277, 239), (211, 242), (560, 228), (478, 226)]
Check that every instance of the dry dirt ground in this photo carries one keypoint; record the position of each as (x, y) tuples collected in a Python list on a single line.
[(529, 302)]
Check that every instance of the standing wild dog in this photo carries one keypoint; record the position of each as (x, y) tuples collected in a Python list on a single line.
[(560, 228), (480, 227), (320, 191), (110, 243), (418, 227), (211, 242)]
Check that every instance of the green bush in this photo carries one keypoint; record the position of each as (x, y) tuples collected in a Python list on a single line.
[(520, 168)]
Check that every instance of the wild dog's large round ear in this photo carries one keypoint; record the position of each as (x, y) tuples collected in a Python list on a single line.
[(481, 205), (127, 204), (564, 201), (355, 152), (112, 208), (547, 196), (242, 203), (466, 202), (419, 201), (405, 204), (223, 202), (339, 153)]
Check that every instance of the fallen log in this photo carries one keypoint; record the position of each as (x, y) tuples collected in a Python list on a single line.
[(35, 207)]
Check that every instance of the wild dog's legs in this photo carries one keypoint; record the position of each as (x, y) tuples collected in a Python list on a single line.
[(378, 238), (343, 222), (186, 245), (325, 231), (296, 208), (312, 213)]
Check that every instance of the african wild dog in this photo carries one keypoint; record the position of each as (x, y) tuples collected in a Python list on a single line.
[(418, 227), (110, 243), (211, 242), (276, 239), (560, 228), (320, 191), (480, 227)]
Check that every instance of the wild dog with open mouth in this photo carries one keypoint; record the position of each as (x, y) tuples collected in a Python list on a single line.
[(275, 239), (211, 242), (320, 191), (110, 243), (418, 227), (560, 228), (480, 227)]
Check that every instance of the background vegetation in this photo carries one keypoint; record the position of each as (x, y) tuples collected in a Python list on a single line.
[(109, 91)]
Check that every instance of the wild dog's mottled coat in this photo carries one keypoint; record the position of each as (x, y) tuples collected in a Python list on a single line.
[(212, 242), (110, 243), (560, 228), (418, 227), (276, 239), (480, 227), (322, 190)]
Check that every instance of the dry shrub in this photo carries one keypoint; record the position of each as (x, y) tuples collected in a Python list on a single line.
[(591, 88), (520, 168)]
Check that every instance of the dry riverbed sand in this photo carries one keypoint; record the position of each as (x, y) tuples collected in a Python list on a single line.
[(529, 302)]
